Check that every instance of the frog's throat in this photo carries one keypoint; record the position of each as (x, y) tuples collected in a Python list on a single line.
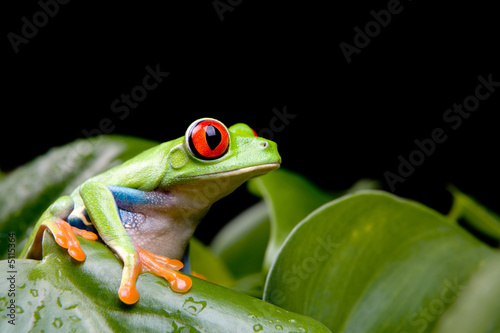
[(214, 186)]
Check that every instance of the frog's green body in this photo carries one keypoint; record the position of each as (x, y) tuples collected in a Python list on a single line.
[(153, 202)]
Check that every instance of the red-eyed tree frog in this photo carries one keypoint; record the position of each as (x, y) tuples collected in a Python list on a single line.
[(147, 208)]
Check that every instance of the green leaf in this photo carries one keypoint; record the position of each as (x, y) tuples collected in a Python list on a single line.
[(290, 198), (251, 284), (477, 309), (241, 244), (59, 293), (474, 214), (372, 262), (204, 262), (26, 192)]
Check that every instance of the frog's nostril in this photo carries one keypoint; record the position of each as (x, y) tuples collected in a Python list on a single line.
[(264, 144)]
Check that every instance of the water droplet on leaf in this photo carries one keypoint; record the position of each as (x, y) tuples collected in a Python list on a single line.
[(57, 323), (257, 328)]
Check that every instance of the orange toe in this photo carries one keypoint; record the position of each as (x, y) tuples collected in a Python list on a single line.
[(174, 264), (128, 294), (150, 257), (181, 283), (65, 237), (77, 253), (84, 233)]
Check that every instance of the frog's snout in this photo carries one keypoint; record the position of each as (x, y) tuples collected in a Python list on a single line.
[(271, 150)]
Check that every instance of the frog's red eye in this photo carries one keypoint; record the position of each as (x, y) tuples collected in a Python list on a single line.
[(207, 139)]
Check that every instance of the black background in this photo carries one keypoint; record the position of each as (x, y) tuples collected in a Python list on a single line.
[(352, 120)]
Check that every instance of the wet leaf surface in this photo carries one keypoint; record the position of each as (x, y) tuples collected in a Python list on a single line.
[(57, 292)]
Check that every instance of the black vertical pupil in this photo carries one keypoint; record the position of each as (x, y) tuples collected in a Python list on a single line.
[(213, 136)]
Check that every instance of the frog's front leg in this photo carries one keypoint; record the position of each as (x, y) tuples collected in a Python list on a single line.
[(54, 219), (103, 212)]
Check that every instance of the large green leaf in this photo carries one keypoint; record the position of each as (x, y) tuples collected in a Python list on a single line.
[(59, 293), (290, 198), (242, 243), (205, 263), (26, 192), (372, 262)]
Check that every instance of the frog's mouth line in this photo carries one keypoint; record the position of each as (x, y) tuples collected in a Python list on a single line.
[(258, 170)]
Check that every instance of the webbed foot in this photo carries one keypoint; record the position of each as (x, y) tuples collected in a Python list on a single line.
[(148, 262), (64, 235)]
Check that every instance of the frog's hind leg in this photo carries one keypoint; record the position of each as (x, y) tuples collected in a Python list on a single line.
[(54, 219)]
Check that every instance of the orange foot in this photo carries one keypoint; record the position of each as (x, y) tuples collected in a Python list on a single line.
[(157, 265), (64, 235)]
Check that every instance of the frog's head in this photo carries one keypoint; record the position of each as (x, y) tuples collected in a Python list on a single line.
[(215, 159)]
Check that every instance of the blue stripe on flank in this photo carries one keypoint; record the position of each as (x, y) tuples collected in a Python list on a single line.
[(125, 196)]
